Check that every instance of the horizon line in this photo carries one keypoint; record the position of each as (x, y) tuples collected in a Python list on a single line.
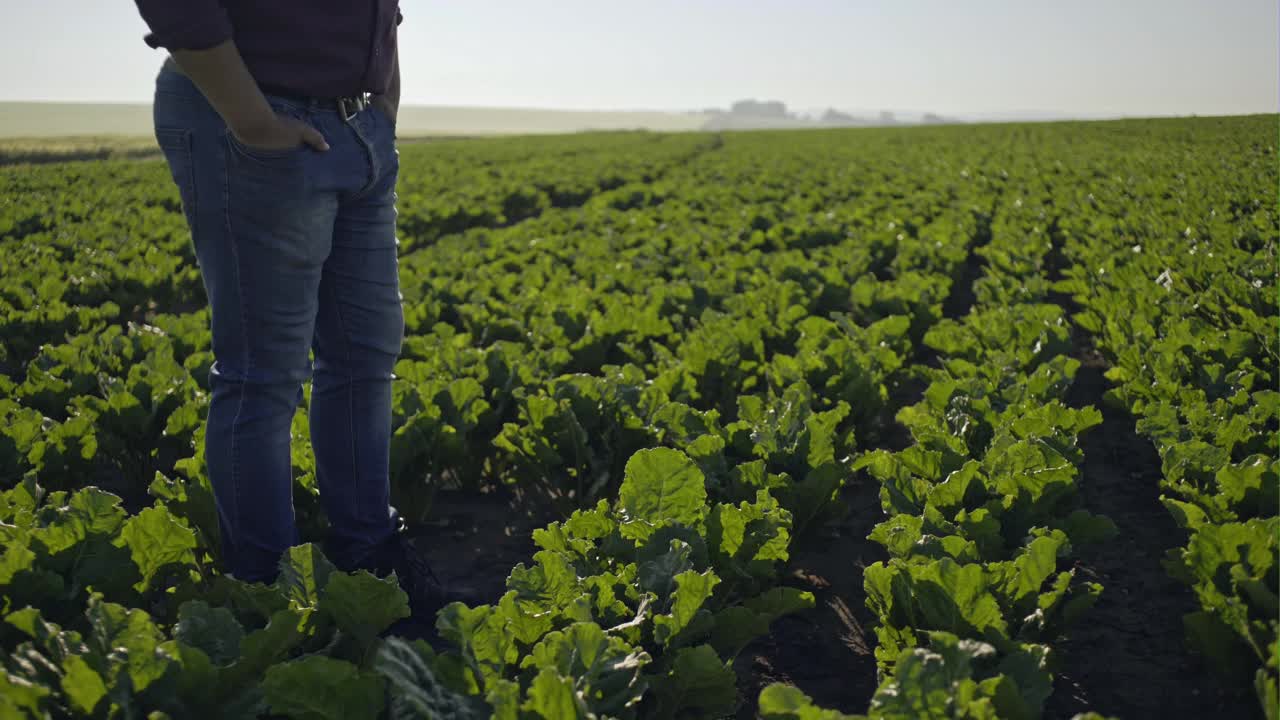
[(1054, 114)]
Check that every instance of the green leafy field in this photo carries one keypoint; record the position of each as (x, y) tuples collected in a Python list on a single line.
[(696, 347)]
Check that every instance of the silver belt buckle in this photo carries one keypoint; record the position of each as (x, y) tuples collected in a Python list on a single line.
[(349, 107)]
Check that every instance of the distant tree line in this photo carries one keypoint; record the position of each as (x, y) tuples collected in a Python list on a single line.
[(753, 113)]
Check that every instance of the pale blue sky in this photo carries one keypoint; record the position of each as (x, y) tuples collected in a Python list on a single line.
[(1084, 57)]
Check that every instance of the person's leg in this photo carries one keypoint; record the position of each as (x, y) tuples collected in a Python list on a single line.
[(261, 231), (359, 329)]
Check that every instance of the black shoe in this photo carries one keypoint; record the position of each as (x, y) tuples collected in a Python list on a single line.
[(426, 590)]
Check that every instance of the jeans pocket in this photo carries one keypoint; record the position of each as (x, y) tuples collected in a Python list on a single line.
[(175, 144), (281, 108), (272, 218), (263, 187), (263, 155)]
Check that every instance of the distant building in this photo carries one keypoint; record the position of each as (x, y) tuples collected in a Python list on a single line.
[(837, 118), (762, 114), (755, 108)]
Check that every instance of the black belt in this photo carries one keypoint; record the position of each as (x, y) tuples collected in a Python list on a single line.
[(348, 107)]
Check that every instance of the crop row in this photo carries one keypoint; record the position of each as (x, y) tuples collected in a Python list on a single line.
[(1183, 301), (983, 511)]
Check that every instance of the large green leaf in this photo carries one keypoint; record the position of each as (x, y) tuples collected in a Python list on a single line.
[(956, 598), (323, 688), (658, 575), (213, 630), (750, 539), (552, 697), (661, 487), (693, 590), (157, 539), (268, 645), (1019, 581), (699, 684), (127, 639), (482, 639), (83, 686), (363, 605), (304, 572)]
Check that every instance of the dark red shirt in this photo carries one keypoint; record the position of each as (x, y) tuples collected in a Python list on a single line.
[(315, 48)]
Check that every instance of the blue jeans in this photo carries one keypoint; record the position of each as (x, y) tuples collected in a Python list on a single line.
[(297, 251)]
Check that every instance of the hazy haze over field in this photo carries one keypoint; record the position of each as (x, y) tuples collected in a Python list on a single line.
[(972, 60)]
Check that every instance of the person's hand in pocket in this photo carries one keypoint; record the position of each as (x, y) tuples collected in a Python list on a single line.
[(280, 132)]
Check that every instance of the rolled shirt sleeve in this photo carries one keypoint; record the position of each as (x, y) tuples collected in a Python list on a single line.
[(185, 24)]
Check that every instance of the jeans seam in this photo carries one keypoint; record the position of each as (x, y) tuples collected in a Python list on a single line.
[(191, 182), (351, 395), (189, 179), (246, 359)]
